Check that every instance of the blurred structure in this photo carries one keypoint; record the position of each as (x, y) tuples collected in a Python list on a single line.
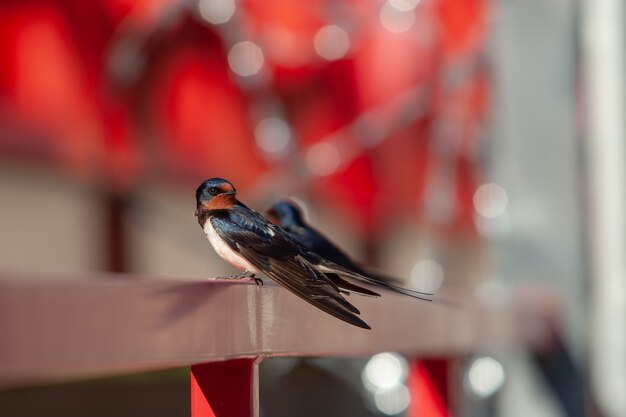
[(603, 48), (376, 108), (436, 139)]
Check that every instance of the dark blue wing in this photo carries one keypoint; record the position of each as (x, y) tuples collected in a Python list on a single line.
[(277, 255), (322, 246)]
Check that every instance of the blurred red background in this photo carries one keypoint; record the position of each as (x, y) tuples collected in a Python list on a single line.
[(116, 91)]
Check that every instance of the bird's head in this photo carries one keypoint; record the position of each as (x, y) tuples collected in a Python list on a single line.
[(285, 214), (215, 194)]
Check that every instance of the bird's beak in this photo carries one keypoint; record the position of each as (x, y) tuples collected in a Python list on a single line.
[(195, 213), (233, 192)]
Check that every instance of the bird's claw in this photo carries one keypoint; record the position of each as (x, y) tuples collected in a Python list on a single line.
[(247, 275), (244, 274)]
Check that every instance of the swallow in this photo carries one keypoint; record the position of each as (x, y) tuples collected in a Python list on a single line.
[(289, 217), (251, 243)]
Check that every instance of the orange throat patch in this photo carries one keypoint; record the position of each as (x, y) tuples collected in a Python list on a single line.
[(220, 202)]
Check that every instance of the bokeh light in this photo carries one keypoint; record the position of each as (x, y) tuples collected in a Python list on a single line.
[(396, 20), (384, 371), (427, 275), (331, 42), (404, 5), (323, 159), (490, 200), (217, 11), (246, 58), (485, 377), (273, 136), (393, 400)]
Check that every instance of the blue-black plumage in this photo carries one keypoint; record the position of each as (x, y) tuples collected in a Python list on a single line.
[(250, 242), (289, 217)]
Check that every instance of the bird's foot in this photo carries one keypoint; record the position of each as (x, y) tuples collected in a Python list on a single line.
[(257, 281)]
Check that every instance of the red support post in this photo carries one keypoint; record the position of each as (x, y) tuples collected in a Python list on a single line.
[(225, 389), (429, 383)]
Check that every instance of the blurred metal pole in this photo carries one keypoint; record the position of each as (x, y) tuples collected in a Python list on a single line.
[(433, 385), (226, 389), (604, 70), (116, 245)]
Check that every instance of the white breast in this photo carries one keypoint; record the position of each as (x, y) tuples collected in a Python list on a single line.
[(225, 251)]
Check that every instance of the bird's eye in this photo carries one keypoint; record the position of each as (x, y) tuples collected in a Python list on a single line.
[(213, 190)]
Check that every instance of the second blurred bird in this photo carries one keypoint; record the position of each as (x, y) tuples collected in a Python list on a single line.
[(289, 217)]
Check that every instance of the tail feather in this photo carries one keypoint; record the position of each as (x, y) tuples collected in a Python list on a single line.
[(386, 280), (330, 268), (349, 287)]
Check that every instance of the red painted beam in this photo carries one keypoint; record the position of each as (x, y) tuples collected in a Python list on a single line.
[(225, 389), (429, 384)]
